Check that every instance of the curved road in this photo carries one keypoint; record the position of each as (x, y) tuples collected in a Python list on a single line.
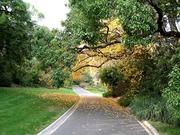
[(99, 116)]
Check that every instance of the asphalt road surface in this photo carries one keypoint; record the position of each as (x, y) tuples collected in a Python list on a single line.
[(99, 116)]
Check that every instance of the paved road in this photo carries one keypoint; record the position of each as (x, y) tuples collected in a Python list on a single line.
[(99, 116)]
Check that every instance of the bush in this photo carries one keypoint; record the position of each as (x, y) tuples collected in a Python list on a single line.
[(149, 108), (161, 85), (76, 82), (5, 78), (59, 76), (107, 94), (28, 73), (114, 79), (172, 95), (45, 78), (156, 69), (126, 100), (111, 76)]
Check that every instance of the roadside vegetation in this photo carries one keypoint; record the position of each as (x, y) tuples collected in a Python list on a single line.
[(147, 83), (29, 110), (165, 129), (134, 44)]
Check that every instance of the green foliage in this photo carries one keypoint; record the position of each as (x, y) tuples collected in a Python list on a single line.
[(165, 129), (107, 94), (126, 74), (126, 99), (161, 86), (6, 78), (172, 95), (110, 76), (15, 31), (150, 108), (59, 77), (83, 22), (155, 108), (28, 73), (167, 6), (157, 68), (87, 20), (114, 79), (137, 18), (55, 60)]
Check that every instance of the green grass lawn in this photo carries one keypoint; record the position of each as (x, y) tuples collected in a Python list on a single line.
[(165, 129), (96, 90), (28, 110)]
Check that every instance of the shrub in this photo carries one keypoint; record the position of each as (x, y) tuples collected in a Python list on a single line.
[(28, 73), (59, 76), (107, 94), (156, 69), (5, 78), (126, 99), (111, 76), (172, 95), (114, 79), (149, 108), (76, 82), (45, 78)]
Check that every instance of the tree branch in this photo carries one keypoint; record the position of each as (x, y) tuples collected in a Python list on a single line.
[(89, 65), (80, 49), (107, 33), (160, 21)]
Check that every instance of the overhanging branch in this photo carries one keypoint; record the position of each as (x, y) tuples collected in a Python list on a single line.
[(89, 65), (160, 21), (80, 49)]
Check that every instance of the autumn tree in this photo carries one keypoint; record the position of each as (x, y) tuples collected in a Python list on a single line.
[(139, 21)]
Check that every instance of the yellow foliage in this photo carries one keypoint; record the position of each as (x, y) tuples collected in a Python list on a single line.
[(98, 56), (76, 75), (130, 64), (60, 98)]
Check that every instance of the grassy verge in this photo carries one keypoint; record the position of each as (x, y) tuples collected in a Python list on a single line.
[(165, 129), (96, 90), (28, 110)]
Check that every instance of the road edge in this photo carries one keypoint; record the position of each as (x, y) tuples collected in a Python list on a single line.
[(145, 124), (60, 121), (149, 128)]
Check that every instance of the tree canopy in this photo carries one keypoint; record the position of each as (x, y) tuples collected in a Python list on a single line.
[(140, 20), (15, 31)]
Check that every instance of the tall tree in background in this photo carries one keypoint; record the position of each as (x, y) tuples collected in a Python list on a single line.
[(55, 59), (15, 31)]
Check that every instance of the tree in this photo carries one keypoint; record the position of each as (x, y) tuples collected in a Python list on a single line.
[(172, 95), (167, 12), (55, 59), (86, 27), (15, 31)]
